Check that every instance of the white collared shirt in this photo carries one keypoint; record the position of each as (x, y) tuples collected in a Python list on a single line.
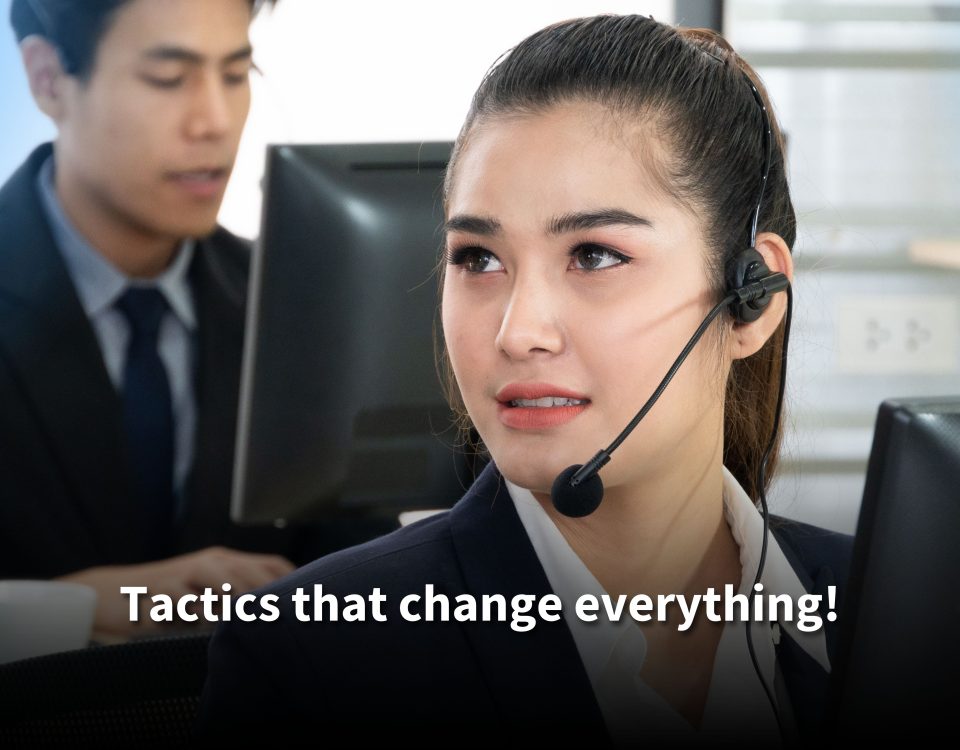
[(99, 284), (613, 652)]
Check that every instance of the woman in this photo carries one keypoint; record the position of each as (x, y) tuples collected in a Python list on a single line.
[(600, 193)]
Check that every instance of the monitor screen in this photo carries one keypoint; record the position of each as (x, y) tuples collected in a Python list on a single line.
[(341, 411), (898, 660)]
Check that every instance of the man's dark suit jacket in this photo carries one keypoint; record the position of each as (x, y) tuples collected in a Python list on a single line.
[(452, 683), (65, 499)]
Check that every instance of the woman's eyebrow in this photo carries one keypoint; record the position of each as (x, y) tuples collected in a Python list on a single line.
[(482, 225), (604, 217)]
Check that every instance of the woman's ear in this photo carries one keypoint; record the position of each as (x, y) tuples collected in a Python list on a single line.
[(45, 75), (747, 338)]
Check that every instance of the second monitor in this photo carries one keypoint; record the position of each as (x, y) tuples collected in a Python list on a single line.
[(341, 408)]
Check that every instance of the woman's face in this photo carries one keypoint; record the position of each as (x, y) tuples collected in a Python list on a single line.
[(572, 284)]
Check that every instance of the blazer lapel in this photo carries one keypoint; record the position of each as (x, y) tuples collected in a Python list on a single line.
[(807, 685), (219, 295), (533, 676), (54, 354), (806, 681)]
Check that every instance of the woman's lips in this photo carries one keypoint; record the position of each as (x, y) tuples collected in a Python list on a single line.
[(537, 406), (537, 417)]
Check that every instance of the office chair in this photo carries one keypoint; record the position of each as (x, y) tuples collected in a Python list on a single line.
[(139, 693)]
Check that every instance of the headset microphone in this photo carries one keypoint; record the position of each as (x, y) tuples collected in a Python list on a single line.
[(578, 490)]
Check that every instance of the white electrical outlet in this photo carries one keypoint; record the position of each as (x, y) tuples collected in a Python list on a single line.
[(898, 334)]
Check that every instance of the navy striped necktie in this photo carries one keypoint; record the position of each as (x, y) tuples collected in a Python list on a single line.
[(148, 415)]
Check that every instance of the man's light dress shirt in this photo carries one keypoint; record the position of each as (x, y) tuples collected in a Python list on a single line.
[(100, 284)]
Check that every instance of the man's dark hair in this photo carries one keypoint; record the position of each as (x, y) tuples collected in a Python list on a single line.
[(74, 27)]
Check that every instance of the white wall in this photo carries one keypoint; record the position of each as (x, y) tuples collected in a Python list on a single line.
[(380, 71), (868, 93), (341, 72)]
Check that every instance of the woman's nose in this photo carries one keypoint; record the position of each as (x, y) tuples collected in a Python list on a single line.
[(531, 324)]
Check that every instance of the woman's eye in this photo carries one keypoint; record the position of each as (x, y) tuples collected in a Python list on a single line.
[(594, 257), (475, 260)]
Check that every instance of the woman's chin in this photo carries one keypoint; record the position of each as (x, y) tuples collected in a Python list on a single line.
[(536, 478), (534, 462)]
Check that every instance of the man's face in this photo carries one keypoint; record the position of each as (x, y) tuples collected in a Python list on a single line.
[(150, 138)]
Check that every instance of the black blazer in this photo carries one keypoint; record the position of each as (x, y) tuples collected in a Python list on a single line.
[(64, 500), (451, 683)]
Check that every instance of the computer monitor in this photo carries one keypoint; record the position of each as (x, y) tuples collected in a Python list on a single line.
[(342, 412), (898, 660)]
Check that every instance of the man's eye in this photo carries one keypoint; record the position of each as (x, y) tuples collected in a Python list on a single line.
[(237, 76), (164, 83), (589, 257), (475, 260)]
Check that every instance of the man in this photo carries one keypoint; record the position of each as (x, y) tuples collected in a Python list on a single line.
[(122, 305)]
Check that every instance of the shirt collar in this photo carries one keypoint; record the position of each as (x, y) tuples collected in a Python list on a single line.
[(98, 282), (570, 578), (779, 577)]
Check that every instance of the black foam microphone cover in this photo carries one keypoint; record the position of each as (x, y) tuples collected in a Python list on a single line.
[(578, 501)]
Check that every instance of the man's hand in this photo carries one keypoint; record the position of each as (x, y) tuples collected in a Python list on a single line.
[(175, 577)]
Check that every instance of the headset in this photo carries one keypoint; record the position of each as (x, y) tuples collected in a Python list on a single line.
[(578, 490), (748, 268)]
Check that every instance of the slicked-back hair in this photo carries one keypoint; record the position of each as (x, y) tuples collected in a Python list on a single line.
[(74, 27)]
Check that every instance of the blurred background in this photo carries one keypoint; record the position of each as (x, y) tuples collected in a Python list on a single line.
[(867, 92)]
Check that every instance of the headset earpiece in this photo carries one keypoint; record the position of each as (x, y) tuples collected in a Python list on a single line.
[(745, 268)]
